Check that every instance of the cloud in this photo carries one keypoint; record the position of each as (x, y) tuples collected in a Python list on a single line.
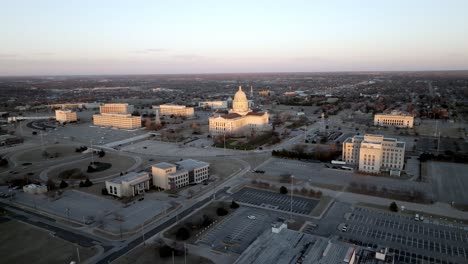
[(188, 57), (8, 55), (44, 53), (152, 50)]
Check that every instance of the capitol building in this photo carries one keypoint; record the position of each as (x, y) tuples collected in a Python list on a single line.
[(240, 120)]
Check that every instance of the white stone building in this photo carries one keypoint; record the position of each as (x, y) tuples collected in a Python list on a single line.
[(374, 153), (240, 120), (176, 110), (395, 118), (214, 104), (116, 108), (65, 116), (129, 185), (172, 176), (124, 121)]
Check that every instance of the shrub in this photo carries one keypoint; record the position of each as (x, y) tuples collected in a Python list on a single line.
[(3, 162), (165, 251), (104, 191), (63, 184), (51, 185), (206, 221), (393, 207), (234, 205), (283, 190), (88, 183), (221, 211), (81, 184), (182, 234)]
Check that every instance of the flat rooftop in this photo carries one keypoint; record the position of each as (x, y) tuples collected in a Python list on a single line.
[(129, 177), (164, 165), (290, 246), (190, 164)]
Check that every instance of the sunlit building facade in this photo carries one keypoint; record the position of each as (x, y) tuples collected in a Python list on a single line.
[(124, 121), (240, 119), (116, 108), (129, 185), (395, 118), (169, 176), (176, 110), (65, 116), (374, 153)]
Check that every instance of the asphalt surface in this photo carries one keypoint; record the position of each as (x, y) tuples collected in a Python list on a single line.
[(275, 201), (138, 240), (412, 241)]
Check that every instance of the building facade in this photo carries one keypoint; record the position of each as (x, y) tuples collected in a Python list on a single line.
[(124, 121), (169, 176), (214, 104), (374, 153), (395, 118), (129, 185), (176, 110), (240, 120), (65, 116), (116, 108)]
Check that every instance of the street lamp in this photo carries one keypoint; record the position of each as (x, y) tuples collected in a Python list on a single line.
[(68, 213), (292, 178)]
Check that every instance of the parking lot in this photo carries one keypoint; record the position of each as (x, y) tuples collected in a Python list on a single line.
[(276, 201), (84, 133), (80, 206), (412, 241), (238, 230), (449, 180), (317, 173)]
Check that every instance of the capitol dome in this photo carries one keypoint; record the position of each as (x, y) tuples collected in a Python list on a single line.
[(240, 103)]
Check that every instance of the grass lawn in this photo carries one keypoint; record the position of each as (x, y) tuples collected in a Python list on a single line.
[(24, 243)]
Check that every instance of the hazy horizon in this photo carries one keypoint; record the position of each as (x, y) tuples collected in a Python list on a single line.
[(152, 37)]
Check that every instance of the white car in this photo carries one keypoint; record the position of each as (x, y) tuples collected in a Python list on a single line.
[(252, 217), (345, 228)]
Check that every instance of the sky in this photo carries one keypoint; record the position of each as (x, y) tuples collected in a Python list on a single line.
[(75, 37)]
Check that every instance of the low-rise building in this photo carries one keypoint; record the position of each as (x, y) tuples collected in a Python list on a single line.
[(65, 116), (35, 189), (374, 153), (395, 118), (124, 121), (282, 245), (172, 176), (214, 104), (116, 108), (176, 110), (129, 185)]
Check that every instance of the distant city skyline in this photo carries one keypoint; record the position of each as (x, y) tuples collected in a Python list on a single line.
[(175, 37)]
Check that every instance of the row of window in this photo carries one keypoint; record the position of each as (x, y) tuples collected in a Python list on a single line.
[(113, 190)]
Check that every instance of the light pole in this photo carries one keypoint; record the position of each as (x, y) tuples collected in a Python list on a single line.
[(214, 189), (92, 152), (68, 213), (185, 253), (78, 253), (143, 235), (292, 177)]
